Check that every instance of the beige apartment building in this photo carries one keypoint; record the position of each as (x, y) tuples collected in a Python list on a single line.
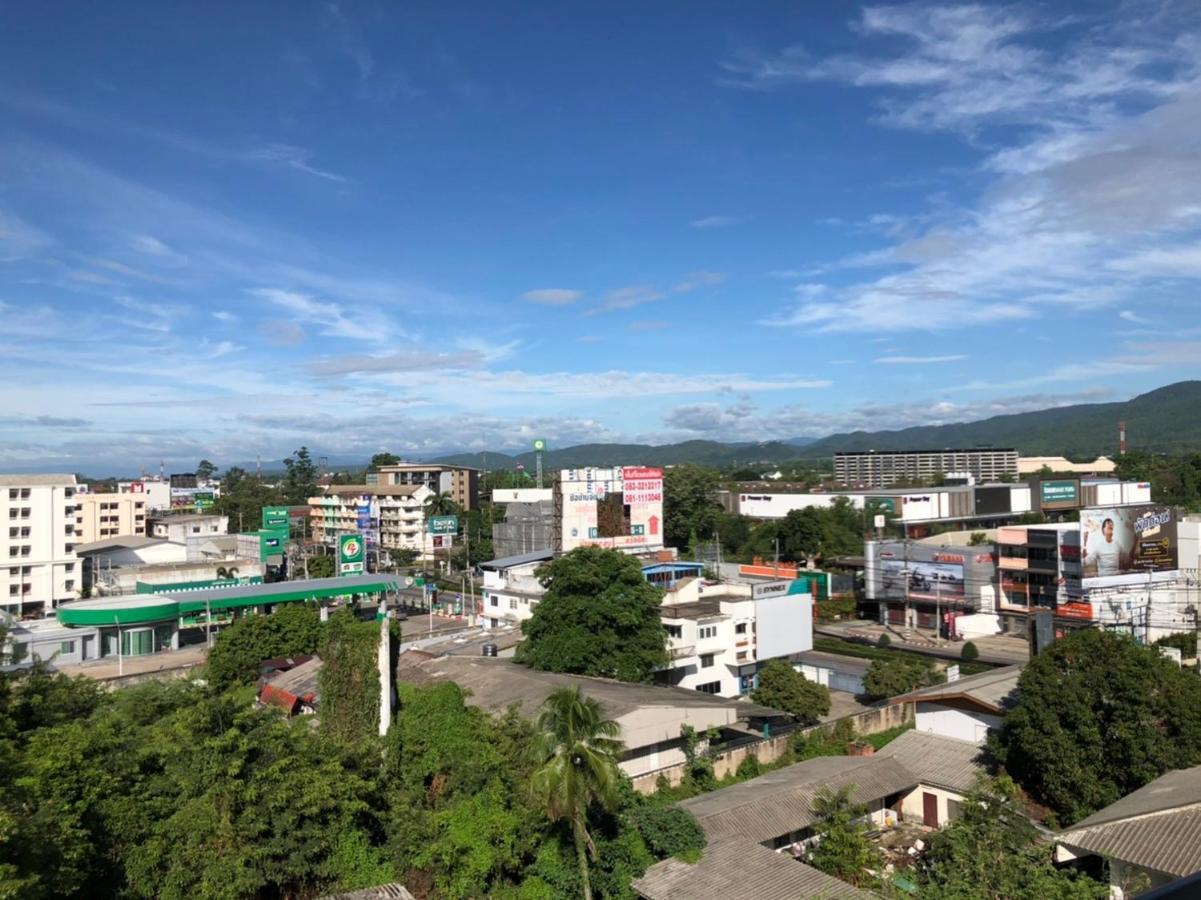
[(38, 565), (101, 516), (391, 515), (461, 482)]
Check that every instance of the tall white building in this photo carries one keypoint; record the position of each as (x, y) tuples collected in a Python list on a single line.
[(38, 566), (392, 516)]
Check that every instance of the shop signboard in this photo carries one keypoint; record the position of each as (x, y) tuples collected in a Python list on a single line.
[(1127, 545), (352, 553), (444, 524), (1062, 494)]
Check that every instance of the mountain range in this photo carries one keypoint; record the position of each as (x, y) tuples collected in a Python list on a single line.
[(1165, 420)]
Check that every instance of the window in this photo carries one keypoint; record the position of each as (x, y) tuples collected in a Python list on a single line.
[(12, 493), (741, 655), (495, 601), (706, 631), (713, 687), (195, 529), (12, 589), (69, 567), (24, 493), (13, 532), (69, 584), (512, 603), (24, 549), (706, 660), (66, 647), (740, 628), (674, 631)]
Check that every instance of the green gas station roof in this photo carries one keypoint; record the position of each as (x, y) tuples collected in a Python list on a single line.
[(148, 609)]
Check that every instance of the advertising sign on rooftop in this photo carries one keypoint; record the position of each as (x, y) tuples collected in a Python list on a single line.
[(1059, 494), (1127, 545)]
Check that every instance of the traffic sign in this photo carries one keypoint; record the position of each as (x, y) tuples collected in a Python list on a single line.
[(444, 524)]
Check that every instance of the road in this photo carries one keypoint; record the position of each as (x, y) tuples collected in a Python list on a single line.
[(997, 649)]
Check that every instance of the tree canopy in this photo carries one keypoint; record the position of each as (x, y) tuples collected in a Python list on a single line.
[(234, 659), (690, 506), (599, 617), (993, 852), (300, 477), (1098, 716), (782, 687), (890, 677)]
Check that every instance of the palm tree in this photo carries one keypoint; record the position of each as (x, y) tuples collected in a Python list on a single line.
[(440, 505), (576, 750)]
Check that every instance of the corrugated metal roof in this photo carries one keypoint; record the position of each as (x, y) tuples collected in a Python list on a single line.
[(741, 869), (127, 542), (937, 761), (993, 690), (1167, 842), (781, 802), (37, 480), (347, 585), (1156, 827), (383, 892)]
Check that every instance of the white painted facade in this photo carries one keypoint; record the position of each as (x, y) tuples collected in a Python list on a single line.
[(949, 721), (511, 595), (397, 510), (178, 529), (38, 565), (913, 804)]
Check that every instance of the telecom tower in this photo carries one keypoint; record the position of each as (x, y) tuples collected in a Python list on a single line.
[(539, 446), (1122, 438)]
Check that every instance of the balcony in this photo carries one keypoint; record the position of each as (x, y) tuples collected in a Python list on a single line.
[(682, 651)]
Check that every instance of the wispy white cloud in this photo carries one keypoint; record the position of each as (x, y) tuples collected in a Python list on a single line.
[(552, 296), (19, 239), (224, 315), (642, 325), (715, 221), (630, 297), (694, 280), (920, 360), (296, 158), (332, 318)]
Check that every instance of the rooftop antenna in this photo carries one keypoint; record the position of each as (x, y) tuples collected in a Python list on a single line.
[(162, 470)]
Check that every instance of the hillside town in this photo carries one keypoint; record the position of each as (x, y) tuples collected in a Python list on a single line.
[(847, 715)]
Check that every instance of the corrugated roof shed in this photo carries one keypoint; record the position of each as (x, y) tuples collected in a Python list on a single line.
[(741, 869), (937, 761), (383, 892), (781, 802), (994, 691), (1156, 827)]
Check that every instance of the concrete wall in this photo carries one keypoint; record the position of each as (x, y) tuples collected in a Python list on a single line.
[(726, 763), (956, 723), (912, 804)]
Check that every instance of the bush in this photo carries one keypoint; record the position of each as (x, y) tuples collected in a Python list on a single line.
[(883, 640), (969, 651), (782, 687), (749, 768), (1185, 642), (240, 648), (668, 830), (890, 677)]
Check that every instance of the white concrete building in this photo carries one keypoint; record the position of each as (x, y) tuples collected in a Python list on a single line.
[(155, 492), (180, 529), (720, 635), (391, 516), (38, 566), (511, 590)]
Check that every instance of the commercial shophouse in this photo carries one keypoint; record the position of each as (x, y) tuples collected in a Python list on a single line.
[(927, 584), (38, 566)]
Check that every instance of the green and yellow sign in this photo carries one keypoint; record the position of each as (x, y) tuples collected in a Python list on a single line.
[(352, 555)]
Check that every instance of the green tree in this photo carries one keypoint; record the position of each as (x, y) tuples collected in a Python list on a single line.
[(842, 848), (441, 504), (599, 617), (890, 677), (321, 566), (690, 505), (993, 852), (383, 459), (782, 687), (1098, 716), (576, 750), (669, 830), (205, 470), (242, 499), (300, 478), (970, 651), (403, 556), (240, 647)]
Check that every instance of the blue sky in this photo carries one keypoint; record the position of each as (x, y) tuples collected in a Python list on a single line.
[(228, 230)]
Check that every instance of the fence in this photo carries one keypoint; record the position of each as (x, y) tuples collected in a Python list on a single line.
[(727, 757)]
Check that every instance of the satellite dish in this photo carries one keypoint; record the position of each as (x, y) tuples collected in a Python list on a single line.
[(408, 581)]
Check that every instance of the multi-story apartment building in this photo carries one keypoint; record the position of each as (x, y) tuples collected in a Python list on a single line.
[(886, 468), (460, 482), (389, 516), (38, 566), (103, 516)]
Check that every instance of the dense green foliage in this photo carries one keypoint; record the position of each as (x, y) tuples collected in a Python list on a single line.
[(1175, 480), (813, 533), (993, 852), (599, 617), (1098, 716), (970, 651), (885, 651), (348, 683), (291, 630), (782, 687), (690, 507), (891, 677), (243, 497), (842, 848), (320, 566), (1184, 641), (669, 830)]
